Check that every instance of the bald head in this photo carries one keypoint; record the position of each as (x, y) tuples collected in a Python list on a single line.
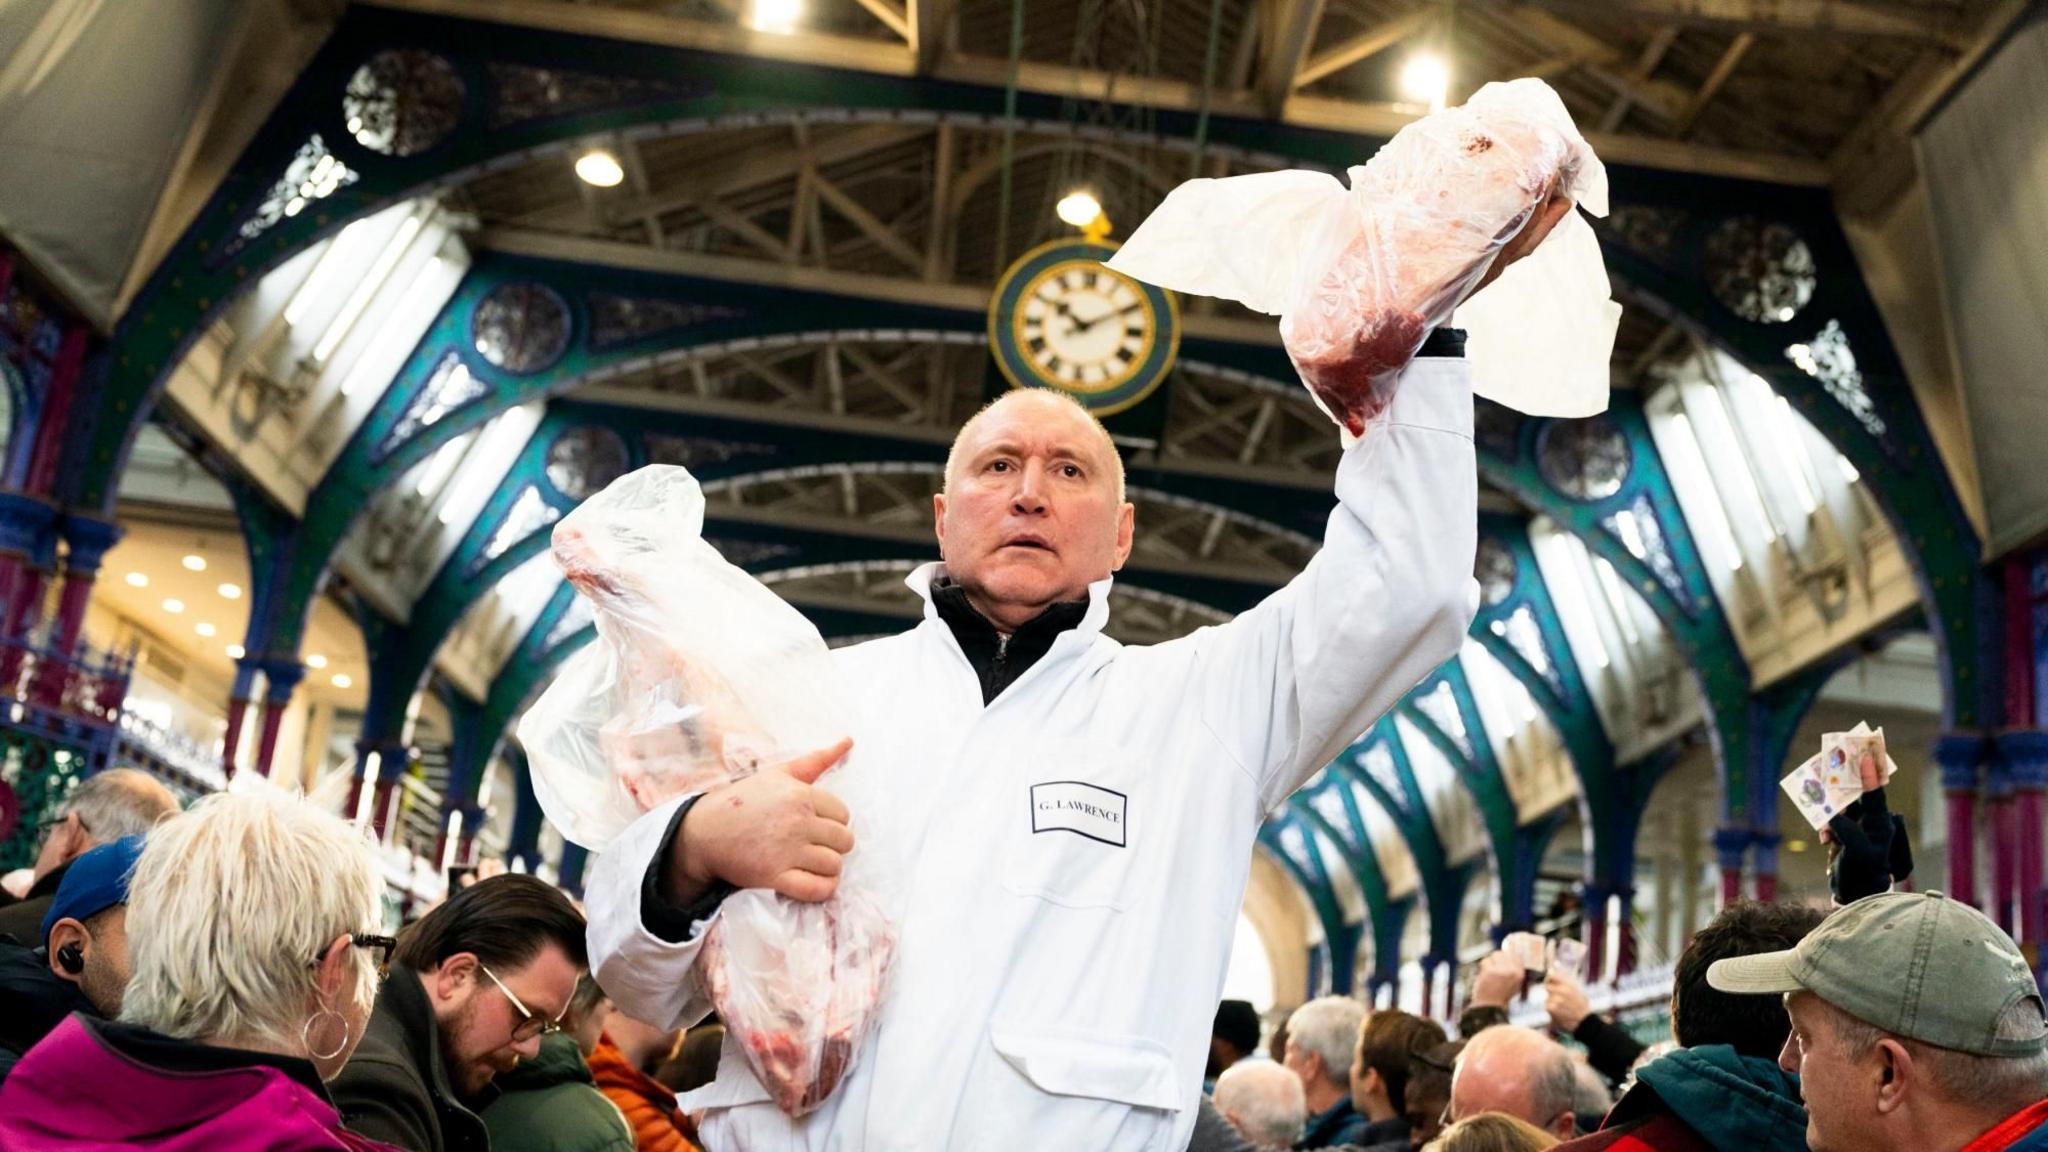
[(1519, 1072), (1033, 510), (1050, 405), (103, 808), (1263, 1101)]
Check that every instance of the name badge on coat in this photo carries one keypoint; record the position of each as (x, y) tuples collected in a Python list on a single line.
[(1083, 809)]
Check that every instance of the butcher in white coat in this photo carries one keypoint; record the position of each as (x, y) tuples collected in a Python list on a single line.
[(1077, 817)]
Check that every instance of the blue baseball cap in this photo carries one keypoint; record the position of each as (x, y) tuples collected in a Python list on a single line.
[(96, 881)]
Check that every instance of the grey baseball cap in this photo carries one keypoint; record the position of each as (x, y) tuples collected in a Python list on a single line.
[(1915, 964)]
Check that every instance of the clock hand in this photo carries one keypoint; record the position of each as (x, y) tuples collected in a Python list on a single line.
[(1083, 326)]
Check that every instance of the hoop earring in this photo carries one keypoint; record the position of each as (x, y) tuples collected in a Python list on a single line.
[(306, 1034)]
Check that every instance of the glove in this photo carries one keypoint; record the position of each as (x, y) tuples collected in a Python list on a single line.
[(1872, 849)]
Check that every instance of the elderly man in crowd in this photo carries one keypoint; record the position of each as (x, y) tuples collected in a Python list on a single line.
[(1264, 1102), (1916, 1026), (1520, 1072), (1322, 1040), (1077, 816), (474, 986), (103, 808)]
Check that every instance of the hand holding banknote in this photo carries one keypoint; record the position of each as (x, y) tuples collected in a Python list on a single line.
[(1868, 849)]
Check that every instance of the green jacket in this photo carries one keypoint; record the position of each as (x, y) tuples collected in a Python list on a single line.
[(1730, 1100), (550, 1104)]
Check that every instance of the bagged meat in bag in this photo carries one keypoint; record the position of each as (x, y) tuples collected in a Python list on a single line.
[(1359, 276), (700, 676)]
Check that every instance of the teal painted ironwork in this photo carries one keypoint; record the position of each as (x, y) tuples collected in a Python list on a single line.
[(622, 87), (1442, 882), (1469, 749), (1386, 916), (1611, 797), (1672, 581), (1312, 873), (1861, 403)]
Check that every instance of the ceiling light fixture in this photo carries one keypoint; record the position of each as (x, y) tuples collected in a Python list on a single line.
[(316, 661), (1079, 208), (174, 606), (195, 563), (341, 680), (137, 580), (599, 168), (776, 15), (235, 652), (1426, 79), (204, 629), (231, 591)]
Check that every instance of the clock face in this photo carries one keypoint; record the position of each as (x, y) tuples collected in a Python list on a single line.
[(1061, 319), (1085, 326)]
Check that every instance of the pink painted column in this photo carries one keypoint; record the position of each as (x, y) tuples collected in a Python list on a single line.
[(2005, 855), (1625, 937), (281, 677), (1961, 757), (238, 709), (1764, 865), (2025, 758), (1731, 845)]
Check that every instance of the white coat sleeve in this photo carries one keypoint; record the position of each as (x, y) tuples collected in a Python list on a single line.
[(1286, 686), (650, 979)]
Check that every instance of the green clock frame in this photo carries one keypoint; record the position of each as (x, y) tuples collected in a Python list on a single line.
[(1005, 315)]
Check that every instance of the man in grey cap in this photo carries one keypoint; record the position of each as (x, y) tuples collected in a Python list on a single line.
[(1916, 1027)]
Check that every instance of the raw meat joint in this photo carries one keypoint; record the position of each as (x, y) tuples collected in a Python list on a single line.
[(701, 676), (1360, 275), (1408, 249)]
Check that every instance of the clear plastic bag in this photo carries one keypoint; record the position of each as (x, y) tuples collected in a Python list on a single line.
[(700, 676), (1360, 276)]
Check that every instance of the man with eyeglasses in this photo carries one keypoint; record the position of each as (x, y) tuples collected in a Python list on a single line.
[(103, 808), (472, 988)]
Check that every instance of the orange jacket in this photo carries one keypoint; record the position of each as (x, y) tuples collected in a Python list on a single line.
[(650, 1108)]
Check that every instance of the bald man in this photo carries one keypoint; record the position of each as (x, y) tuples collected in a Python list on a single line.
[(1520, 1072), (1077, 817), (1263, 1101)]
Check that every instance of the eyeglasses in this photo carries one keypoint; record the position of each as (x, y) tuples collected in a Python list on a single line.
[(383, 944), (529, 1025), (44, 829)]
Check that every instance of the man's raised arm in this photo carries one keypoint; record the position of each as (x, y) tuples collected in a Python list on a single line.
[(1287, 685)]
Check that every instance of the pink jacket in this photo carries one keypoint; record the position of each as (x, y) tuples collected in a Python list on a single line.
[(92, 1085)]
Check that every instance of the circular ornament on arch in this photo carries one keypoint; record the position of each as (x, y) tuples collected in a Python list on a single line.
[(1586, 460), (521, 327), (402, 102), (1760, 270), (583, 461)]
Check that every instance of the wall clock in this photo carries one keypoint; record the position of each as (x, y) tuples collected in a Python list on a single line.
[(1061, 319)]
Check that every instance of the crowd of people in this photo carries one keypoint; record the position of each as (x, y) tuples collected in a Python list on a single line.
[(219, 978), (1895, 1021)]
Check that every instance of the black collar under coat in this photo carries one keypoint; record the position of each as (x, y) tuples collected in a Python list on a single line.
[(998, 660)]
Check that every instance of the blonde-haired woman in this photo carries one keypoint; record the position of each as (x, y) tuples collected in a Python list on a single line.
[(252, 924), (1492, 1132)]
